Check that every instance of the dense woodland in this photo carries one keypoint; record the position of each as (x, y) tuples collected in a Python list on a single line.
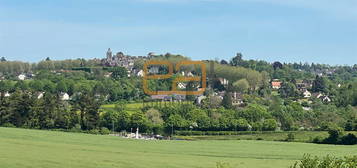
[(37, 102)]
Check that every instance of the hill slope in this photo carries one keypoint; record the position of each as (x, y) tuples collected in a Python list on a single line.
[(34, 148)]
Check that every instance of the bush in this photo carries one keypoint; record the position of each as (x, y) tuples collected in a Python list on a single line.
[(76, 128), (327, 162), (291, 137), (270, 125), (104, 131), (222, 165), (336, 137), (349, 139), (94, 131), (317, 139), (9, 125)]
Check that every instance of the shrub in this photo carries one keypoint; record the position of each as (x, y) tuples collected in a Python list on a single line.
[(104, 131), (76, 128), (327, 162), (334, 135), (94, 131), (349, 139), (222, 165), (291, 137), (270, 125), (9, 125)]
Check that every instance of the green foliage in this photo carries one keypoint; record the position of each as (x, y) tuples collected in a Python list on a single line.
[(270, 125), (222, 165), (119, 73), (326, 162), (291, 137), (337, 136)]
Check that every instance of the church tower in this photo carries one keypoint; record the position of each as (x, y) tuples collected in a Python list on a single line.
[(109, 54)]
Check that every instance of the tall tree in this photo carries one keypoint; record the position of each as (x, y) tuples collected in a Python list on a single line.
[(319, 84), (2, 59), (237, 60), (227, 100)]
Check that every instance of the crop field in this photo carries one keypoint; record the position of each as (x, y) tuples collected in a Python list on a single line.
[(21, 148)]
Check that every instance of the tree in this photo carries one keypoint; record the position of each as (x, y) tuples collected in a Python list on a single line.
[(61, 87), (154, 116), (270, 125), (176, 121), (227, 100), (223, 62), (4, 110), (277, 65), (288, 90), (119, 72), (19, 107), (2, 59), (139, 120), (237, 60), (319, 84), (253, 113), (88, 106), (241, 85)]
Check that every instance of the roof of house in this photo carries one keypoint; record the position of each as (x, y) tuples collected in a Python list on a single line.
[(276, 83)]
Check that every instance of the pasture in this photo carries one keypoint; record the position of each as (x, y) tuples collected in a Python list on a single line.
[(37, 148)]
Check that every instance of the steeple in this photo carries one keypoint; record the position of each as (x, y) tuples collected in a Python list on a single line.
[(109, 54)]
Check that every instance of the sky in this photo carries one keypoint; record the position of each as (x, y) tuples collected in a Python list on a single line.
[(320, 31)]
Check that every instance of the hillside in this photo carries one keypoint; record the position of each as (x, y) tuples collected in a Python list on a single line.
[(34, 148)]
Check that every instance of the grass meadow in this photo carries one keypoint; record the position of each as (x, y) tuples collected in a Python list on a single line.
[(21, 148)]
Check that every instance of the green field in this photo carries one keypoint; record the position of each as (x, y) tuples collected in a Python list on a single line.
[(133, 107), (21, 148)]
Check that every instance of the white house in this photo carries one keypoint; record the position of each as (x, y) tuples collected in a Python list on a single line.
[(181, 85), (21, 77), (223, 81), (65, 97), (307, 94), (7, 94), (140, 73), (200, 98), (326, 99)]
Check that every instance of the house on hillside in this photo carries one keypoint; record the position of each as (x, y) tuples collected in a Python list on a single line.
[(276, 84), (237, 99), (322, 97), (21, 77), (7, 94), (223, 81), (199, 99), (326, 99), (140, 73), (64, 96), (307, 94)]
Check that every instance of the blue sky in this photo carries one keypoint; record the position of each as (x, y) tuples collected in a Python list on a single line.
[(323, 31)]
